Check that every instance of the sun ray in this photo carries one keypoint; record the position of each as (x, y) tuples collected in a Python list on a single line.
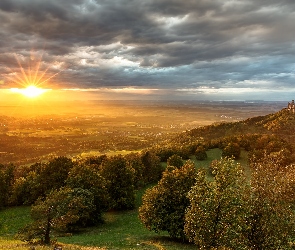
[(22, 70), (30, 76)]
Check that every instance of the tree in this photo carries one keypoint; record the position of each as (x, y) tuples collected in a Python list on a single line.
[(153, 170), (88, 178), (215, 215), (201, 153), (270, 217), (175, 161), (62, 210), (54, 174), (232, 150), (120, 182), (134, 161), (163, 206), (6, 183)]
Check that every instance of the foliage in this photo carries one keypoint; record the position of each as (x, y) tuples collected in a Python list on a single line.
[(271, 219), (6, 182), (215, 215), (201, 153), (28, 187), (175, 161), (232, 149), (134, 161), (152, 170), (40, 179), (88, 178), (120, 182), (164, 205), (54, 174), (62, 210)]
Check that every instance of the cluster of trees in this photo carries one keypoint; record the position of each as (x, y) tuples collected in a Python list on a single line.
[(228, 212), (67, 195)]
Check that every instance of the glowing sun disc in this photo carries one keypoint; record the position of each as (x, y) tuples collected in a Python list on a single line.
[(30, 91)]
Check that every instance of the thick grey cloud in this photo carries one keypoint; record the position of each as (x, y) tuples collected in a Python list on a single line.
[(164, 44)]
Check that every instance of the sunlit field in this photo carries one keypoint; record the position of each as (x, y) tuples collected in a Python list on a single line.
[(36, 131)]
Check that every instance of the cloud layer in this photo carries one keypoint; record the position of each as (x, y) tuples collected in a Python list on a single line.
[(228, 47)]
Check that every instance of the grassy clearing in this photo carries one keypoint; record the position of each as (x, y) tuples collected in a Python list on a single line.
[(216, 153)]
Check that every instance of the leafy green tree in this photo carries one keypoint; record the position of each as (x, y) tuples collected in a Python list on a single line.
[(232, 149), (215, 216), (201, 153), (62, 210), (27, 187), (40, 179), (54, 174), (153, 170), (134, 161), (163, 206), (6, 183), (120, 182), (88, 178), (175, 161), (270, 218)]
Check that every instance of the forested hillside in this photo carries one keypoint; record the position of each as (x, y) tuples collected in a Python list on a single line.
[(239, 210)]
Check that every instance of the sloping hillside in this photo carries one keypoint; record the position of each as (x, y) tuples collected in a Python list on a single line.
[(281, 124)]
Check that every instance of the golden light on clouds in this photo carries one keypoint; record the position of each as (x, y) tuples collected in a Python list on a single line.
[(30, 78)]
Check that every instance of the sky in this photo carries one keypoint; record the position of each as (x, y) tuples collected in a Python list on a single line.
[(151, 49)]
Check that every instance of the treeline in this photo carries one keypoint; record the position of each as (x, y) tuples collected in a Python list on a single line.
[(66, 195), (230, 211)]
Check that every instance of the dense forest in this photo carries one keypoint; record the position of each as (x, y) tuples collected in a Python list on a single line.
[(225, 206)]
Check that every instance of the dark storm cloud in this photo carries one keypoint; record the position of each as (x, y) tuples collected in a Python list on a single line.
[(154, 43)]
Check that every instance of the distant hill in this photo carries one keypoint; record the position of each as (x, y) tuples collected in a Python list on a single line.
[(281, 123)]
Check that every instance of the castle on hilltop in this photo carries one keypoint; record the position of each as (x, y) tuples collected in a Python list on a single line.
[(291, 106)]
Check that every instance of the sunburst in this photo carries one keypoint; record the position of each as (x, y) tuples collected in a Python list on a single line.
[(30, 79)]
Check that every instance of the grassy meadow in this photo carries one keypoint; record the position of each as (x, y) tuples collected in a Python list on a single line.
[(121, 230)]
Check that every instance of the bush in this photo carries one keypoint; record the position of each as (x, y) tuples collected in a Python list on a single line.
[(163, 206)]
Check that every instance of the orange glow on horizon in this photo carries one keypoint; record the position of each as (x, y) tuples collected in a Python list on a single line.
[(31, 91), (30, 79)]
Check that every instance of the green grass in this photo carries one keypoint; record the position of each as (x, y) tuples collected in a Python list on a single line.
[(121, 230), (12, 219), (216, 153)]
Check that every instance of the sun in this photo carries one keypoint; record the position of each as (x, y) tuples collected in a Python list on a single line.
[(31, 91), (30, 78)]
